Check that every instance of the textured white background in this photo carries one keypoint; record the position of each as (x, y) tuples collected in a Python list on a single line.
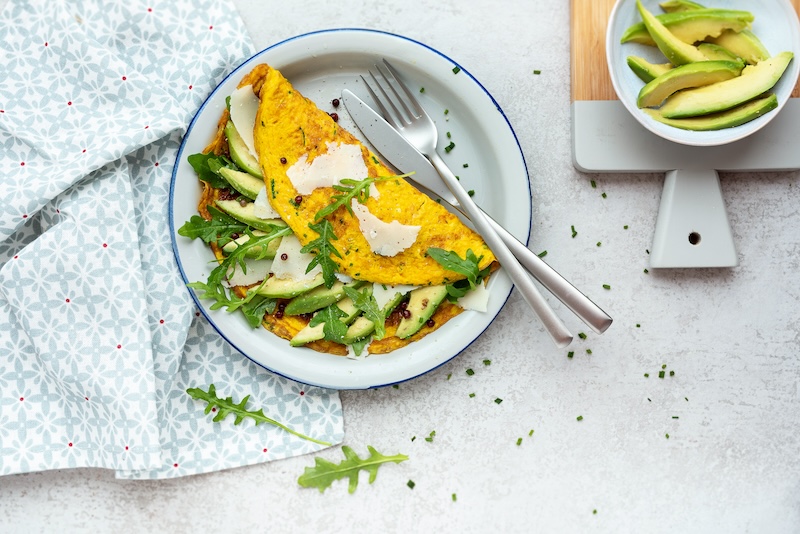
[(731, 336)]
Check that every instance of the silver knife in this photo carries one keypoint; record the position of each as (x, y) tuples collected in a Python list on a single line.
[(403, 156)]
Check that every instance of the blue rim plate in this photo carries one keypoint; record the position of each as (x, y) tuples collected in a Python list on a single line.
[(320, 65), (775, 24)]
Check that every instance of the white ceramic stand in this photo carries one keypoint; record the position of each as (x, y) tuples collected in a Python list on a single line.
[(692, 227)]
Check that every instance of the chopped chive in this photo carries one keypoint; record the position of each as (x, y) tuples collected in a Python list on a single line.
[(570, 354), (604, 195), (542, 254), (448, 135), (471, 395), (454, 497), (530, 433), (395, 386), (470, 372), (606, 286), (430, 437), (594, 184), (465, 165), (450, 147), (537, 71), (580, 418), (574, 232), (646, 271), (487, 362), (519, 442), (421, 89), (661, 374), (594, 511), (599, 243), (410, 484), (667, 435), (471, 192), (588, 351), (625, 227), (456, 70), (446, 111), (672, 373), (647, 375), (638, 325), (413, 438), (581, 335), (675, 417), (686, 399), (449, 375), (664, 366), (498, 400)]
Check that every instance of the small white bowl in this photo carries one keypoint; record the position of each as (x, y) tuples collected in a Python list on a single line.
[(776, 25)]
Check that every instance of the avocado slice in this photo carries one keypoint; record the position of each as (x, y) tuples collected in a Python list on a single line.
[(239, 152), (243, 212), (676, 51), (272, 246), (754, 80), (362, 327), (714, 52), (645, 70), (422, 303), (288, 288), (245, 183), (316, 332), (697, 74), (691, 26), (724, 119), (744, 44), (319, 298), (672, 6)]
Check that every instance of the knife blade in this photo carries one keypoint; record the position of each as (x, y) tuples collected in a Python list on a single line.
[(390, 144)]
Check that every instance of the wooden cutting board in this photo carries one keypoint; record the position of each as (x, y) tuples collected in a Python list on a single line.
[(588, 35)]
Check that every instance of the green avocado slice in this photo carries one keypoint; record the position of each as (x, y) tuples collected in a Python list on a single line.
[(645, 70), (240, 154), (676, 51), (697, 74), (754, 80), (691, 26), (724, 119)]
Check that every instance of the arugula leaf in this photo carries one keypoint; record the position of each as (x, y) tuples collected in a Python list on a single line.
[(214, 287), (324, 473), (334, 329), (207, 167), (255, 310), (358, 345), (323, 248), (469, 267), (226, 406), (217, 230), (365, 302), (350, 189)]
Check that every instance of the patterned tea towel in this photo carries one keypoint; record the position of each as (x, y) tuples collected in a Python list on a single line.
[(99, 338)]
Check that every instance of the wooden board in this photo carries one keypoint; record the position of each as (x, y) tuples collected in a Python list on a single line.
[(590, 78)]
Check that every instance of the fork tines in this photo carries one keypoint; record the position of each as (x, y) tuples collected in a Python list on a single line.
[(391, 81)]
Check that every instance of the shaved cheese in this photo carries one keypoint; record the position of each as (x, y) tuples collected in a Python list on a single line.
[(255, 271), (326, 170), (262, 208), (383, 294), (244, 105), (296, 262), (386, 239), (477, 299)]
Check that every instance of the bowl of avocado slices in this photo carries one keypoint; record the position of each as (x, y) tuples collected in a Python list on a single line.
[(703, 74)]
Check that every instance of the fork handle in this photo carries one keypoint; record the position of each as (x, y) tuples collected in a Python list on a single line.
[(589, 312), (552, 323)]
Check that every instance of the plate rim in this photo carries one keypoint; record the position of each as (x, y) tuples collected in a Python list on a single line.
[(457, 348)]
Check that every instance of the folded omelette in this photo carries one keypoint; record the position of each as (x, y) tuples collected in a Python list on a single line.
[(298, 146)]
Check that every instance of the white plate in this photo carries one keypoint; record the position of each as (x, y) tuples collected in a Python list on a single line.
[(775, 24), (320, 65)]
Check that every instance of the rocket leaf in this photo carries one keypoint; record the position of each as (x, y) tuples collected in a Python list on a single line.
[(324, 473), (226, 407)]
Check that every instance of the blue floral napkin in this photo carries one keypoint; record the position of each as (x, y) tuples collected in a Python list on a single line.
[(99, 338)]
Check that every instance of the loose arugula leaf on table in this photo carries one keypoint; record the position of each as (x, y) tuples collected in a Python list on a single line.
[(365, 302), (333, 329), (324, 473), (226, 407), (207, 167), (469, 267), (323, 249)]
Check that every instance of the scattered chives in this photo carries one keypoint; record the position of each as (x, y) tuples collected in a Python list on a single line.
[(580, 418), (410, 484), (498, 400), (470, 372), (456, 70)]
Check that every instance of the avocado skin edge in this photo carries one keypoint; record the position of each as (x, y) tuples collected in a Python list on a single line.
[(725, 119)]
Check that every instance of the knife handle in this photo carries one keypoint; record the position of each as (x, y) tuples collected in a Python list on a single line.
[(581, 305)]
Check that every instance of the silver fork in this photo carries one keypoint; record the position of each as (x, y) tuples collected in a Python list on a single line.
[(418, 128)]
